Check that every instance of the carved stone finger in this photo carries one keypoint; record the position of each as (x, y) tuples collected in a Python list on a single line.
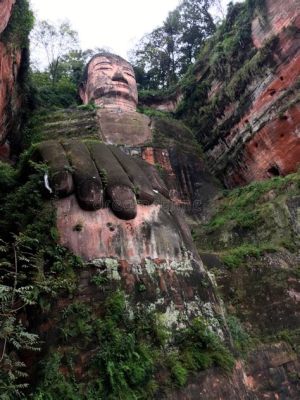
[(53, 154), (118, 187), (137, 176), (154, 177), (88, 186)]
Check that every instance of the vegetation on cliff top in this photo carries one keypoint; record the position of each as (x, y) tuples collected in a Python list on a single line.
[(245, 219), (21, 22), (251, 244), (226, 64), (163, 55)]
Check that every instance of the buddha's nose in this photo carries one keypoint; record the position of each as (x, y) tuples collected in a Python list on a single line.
[(119, 77)]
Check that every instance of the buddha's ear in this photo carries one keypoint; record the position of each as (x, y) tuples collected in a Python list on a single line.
[(82, 93)]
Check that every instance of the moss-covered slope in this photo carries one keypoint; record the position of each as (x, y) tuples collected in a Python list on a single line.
[(251, 244)]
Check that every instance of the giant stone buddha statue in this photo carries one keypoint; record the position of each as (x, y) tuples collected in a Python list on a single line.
[(115, 210)]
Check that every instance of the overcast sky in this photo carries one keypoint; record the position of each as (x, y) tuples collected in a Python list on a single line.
[(114, 24)]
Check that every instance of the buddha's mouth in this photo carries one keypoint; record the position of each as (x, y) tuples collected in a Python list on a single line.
[(121, 84), (114, 92), (120, 79)]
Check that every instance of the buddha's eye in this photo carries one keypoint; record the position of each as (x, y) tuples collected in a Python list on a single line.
[(103, 66), (129, 73)]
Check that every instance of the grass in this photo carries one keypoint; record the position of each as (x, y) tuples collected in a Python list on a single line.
[(244, 207), (235, 257)]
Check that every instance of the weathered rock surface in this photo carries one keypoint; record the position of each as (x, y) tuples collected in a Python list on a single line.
[(248, 122), (152, 257), (152, 234), (11, 56), (129, 128), (256, 264), (271, 373), (272, 146), (5, 13), (280, 14)]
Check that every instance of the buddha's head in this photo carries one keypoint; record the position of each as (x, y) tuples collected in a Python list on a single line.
[(109, 81)]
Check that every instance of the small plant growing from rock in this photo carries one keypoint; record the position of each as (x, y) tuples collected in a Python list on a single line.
[(103, 176)]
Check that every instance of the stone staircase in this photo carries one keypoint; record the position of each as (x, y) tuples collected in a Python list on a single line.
[(71, 122)]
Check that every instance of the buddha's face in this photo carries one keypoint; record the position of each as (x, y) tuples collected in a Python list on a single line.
[(110, 83)]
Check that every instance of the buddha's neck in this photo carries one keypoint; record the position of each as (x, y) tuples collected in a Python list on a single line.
[(118, 105)]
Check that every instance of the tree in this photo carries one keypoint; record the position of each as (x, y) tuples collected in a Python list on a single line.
[(152, 60), (54, 41), (73, 63), (164, 55), (56, 85), (197, 24), (63, 91)]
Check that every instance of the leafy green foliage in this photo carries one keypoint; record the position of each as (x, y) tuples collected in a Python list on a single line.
[(242, 340), (7, 179), (48, 94), (178, 372), (57, 84), (150, 112), (240, 206), (128, 351), (59, 88), (233, 258), (55, 41), (54, 385), (20, 25), (165, 54), (252, 221), (201, 349), (15, 295), (33, 268)]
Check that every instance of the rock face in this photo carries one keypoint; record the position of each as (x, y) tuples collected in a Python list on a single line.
[(9, 101), (252, 245), (12, 56), (8, 69), (152, 234), (5, 13), (250, 239), (280, 15), (273, 147), (267, 376), (249, 124)]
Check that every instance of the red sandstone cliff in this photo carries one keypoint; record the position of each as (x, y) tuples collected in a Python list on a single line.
[(272, 144), (10, 98), (247, 114), (265, 141), (5, 13)]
